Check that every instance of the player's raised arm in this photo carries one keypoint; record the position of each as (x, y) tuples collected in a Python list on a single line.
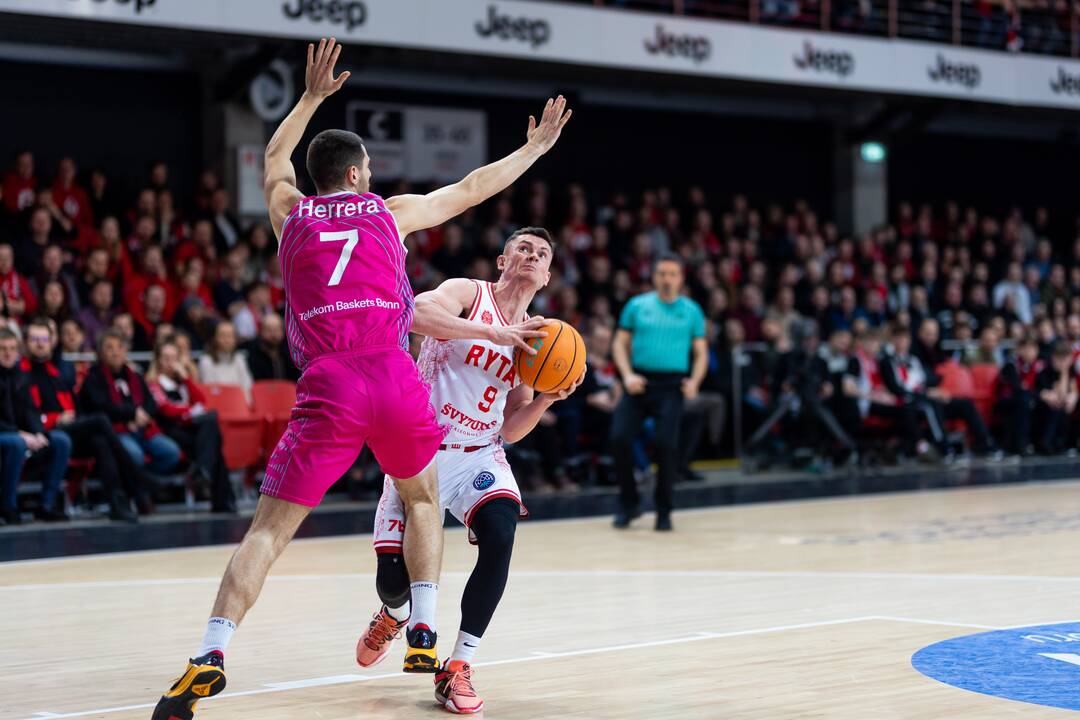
[(419, 212), (279, 179), (438, 315)]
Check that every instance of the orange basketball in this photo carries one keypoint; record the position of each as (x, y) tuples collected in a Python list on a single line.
[(558, 362)]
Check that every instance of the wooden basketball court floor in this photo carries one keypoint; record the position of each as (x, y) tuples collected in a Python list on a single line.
[(808, 609)]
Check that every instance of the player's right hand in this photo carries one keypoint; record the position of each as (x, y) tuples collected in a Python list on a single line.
[(520, 334), (320, 69), (543, 136), (634, 383)]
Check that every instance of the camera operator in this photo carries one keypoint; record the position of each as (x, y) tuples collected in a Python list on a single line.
[(801, 389)]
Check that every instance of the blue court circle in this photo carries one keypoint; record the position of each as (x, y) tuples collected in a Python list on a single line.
[(1038, 664)]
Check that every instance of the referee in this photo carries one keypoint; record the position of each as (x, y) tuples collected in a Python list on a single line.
[(657, 333)]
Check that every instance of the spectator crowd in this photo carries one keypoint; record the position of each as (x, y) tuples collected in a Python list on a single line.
[(88, 276), (839, 337)]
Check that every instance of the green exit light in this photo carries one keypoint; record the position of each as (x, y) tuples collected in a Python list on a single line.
[(872, 152)]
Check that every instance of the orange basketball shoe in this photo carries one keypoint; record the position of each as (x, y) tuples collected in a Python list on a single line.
[(454, 689), (376, 641)]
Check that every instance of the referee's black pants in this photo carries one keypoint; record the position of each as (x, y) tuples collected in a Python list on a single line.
[(663, 400)]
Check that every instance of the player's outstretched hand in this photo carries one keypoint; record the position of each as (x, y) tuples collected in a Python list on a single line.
[(320, 69), (563, 394), (555, 117), (519, 335)]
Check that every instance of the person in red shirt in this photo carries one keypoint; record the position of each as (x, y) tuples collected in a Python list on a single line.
[(15, 293), (20, 184), (185, 418), (69, 197), (142, 236), (117, 252), (199, 245), (152, 313), (192, 283), (145, 205), (272, 277), (151, 272)]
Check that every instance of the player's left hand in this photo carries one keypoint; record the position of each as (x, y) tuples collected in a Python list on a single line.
[(689, 389), (563, 394), (543, 136), (320, 69)]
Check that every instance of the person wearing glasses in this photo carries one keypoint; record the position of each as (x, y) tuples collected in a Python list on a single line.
[(91, 435)]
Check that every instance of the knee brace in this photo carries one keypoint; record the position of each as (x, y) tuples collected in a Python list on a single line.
[(392, 580), (495, 524)]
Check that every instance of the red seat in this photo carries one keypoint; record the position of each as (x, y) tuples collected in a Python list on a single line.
[(273, 401), (241, 431), (985, 377), (956, 380), (78, 471)]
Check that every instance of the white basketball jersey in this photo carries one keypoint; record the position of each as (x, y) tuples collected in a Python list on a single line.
[(469, 379)]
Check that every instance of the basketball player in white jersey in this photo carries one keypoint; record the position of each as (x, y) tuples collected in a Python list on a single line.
[(480, 402)]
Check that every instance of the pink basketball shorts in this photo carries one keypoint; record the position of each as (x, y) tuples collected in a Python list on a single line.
[(343, 400)]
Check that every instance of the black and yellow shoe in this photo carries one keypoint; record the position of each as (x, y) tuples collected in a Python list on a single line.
[(421, 655), (203, 678)]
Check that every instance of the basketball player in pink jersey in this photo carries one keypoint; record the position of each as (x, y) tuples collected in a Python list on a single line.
[(349, 308), (480, 402)]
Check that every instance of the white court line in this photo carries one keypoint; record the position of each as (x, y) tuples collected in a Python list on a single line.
[(759, 574), (343, 679), (316, 682), (948, 623)]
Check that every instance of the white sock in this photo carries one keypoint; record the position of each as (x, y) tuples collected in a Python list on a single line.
[(399, 613), (424, 596), (219, 632), (465, 647)]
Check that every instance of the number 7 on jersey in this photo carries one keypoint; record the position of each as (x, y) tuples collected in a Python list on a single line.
[(353, 237)]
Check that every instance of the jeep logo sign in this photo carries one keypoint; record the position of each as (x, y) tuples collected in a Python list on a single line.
[(695, 47), (835, 62), (1064, 83), (350, 13), (137, 5), (534, 31), (967, 75)]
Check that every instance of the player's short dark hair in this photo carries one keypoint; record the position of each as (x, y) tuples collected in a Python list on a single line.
[(668, 257), (330, 154), (8, 334), (534, 231)]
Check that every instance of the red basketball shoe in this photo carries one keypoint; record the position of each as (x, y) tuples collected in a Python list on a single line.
[(454, 689), (376, 641)]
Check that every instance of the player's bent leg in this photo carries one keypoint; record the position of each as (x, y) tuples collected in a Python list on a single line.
[(273, 526), (423, 546), (494, 524), (392, 584)]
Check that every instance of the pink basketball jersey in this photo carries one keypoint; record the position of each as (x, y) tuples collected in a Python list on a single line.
[(343, 268)]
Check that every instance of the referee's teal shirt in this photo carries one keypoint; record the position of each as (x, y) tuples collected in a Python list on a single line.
[(662, 333)]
